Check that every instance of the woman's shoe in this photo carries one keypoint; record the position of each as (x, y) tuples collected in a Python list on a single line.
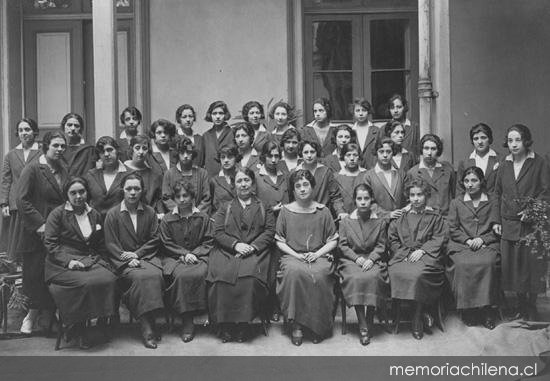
[(489, 322), (226, 334), (417, 328), (364, 336), (28, 322), (147, 335), (241, 334), (188, 331), (316, 339), (297, 336), (149, 342), (275, 317)]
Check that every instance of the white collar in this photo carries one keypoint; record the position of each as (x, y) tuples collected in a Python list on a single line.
[(378, 169), (483, 197), (261, 128), (123, 207), (409, 208), (221, 174), (345, 172), (530, 155), (491, 152), (42, 160), (128, 163), (195, 210), (407, 122), (69, 207), (253, 152), (244, 204), (422, 165), (34, 146), (355, 216), (404, 150), (356, 127), (262, 171)]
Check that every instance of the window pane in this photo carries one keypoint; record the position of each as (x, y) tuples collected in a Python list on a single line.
[(369, 4), (338, 88), (332, 45), (387, 38), (384, 85)]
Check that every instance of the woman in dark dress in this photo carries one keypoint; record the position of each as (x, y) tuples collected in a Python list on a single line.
[(416, 242), (79, 156), (15, 160), (219, 135), (350, 175), (104, 182), (239, 262), (522, 174), (186, 118), (320, 130), (244, 139), (341, 135), (473, 251), (77, 272), (38, 193), (186, 234), (222, 186), (306, 235), (253, 113), (363, 266), (403, 159), (131, 235)]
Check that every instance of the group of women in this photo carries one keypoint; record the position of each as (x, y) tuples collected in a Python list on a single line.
[(245, 221)]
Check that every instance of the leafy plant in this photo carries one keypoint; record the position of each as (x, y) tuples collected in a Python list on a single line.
[(535, 213)]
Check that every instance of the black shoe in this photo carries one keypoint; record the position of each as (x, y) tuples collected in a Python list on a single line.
[(428, 320), (83, 342), (418, 335), (275, 317), (242, 331), (226, 336), (187, 337), (418, 328), (316, 339), (489, 322), (149, 342), (364, 336)]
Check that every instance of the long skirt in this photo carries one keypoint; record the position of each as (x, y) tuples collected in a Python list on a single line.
[(364, 288), (83, 295), (34, 285), (236, 303), (306, 293), (416, 281), (186, 291), (142, 288), (522, 270), (12, 231), (474, 277)]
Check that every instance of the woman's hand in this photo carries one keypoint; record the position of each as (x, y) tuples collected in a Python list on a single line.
[(41, 229), (6, 210), (133, 263), (367, 265), (396, 213), (311, 257), (497, 229), (341, 216), (243, 249), (75, 265), (127, 255), (277, 207), (475, 243), (416, 255), (190, 259)]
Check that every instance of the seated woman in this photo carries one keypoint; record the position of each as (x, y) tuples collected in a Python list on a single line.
[(341, 135), (131, 233), (306, 235), (187, 172), (363, 266), (473, 252), (186, 235), (78, 276), (104, 182), (416, 241), (239, 262), (222, 186), (244, 137), (349, 176)]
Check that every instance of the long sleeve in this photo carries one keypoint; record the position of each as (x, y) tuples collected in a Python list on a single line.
[(150, 248), (379, 251), (434, 245), (266, 237), (32, 219), (398, 251), (113, 244), (226, 241), (335, 196), (456, 233), (7, 180), (207, 241), (52, 239), (344, 244), (206, 197)]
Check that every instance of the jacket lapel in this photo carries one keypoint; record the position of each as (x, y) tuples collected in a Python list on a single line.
[(20, 156), (51, 179), (524, 169)]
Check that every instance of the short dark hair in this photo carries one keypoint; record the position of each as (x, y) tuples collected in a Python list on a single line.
[(481, 127), (132, 110), (403, 100), (432, 138), (247, 171), (289, 134), (349, 147), (266, 150), (289, 110), (74, 180), (106, 140), (49, 136), (246, 127), (418, 183), (182, 108), (169, 128), (326, 105), (186, 186), (363, 187), (134, 176), (343, 127), (479, 174), (231, 151), (379, 143), (523, 131), (215, 105), (363, 102), (248, 106), (297, 175), (31, 122), (186, 145), (390, 126), (314, 145), (72, 115)]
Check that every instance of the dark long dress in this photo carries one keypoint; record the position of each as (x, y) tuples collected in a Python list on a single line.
[(422, 280), (522, 269), (442, 184), (271, 193), (326, 190), (368, 240), (13, 165), (38, 194), (387, 197), (347, 184), (142, 286), (199, 180), (80, 158), (306, 291), (79, 294), (179, 235), (101, 198), (474, 275), (238, 286)]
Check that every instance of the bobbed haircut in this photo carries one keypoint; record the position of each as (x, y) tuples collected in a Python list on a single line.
[(182, 108), (326, 105), (31, 122), (343, 127), (390, 126), (399, 97), (363, 187), (299, 175), (363, 102), (313, 145), (49, 136), (417, 183), (72, 115), (186, 145), (289, 134), (104, 141), (523, 131), (133, 176), (481, 127), (247, 172), (432, 138), (350, 147), (230, 150), (76, 180), (289, 110), (169, 128), (478, 173), (379, 143), (266, 150), (215, 105), (249, 106), (139, 139), (132, 110), (188, 187), (247, 128)]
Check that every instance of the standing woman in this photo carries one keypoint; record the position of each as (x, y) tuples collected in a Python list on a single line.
[(306, 235), (219, 135), (244, 139), (238, 264), (131, 235), (320, 130), (398, 107), (523, 173), (403, 159), (363, 266), (367, 133), (440, 176), (78, 275), (350, 176), (186, 235), (38, 193), (290, 144), (416, 242), (131, 119), (187, 172), (186, 118), (483, 157), (15, 160), (473, 251), (271, 182), (222, 186), (79, 156), (104, 182), (253, 113), (162, 158), (342, 135), (283, 115)]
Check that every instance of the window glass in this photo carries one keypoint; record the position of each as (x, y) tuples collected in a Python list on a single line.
[(332, 45), (387, 38), (338, 88), (384, 85)]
